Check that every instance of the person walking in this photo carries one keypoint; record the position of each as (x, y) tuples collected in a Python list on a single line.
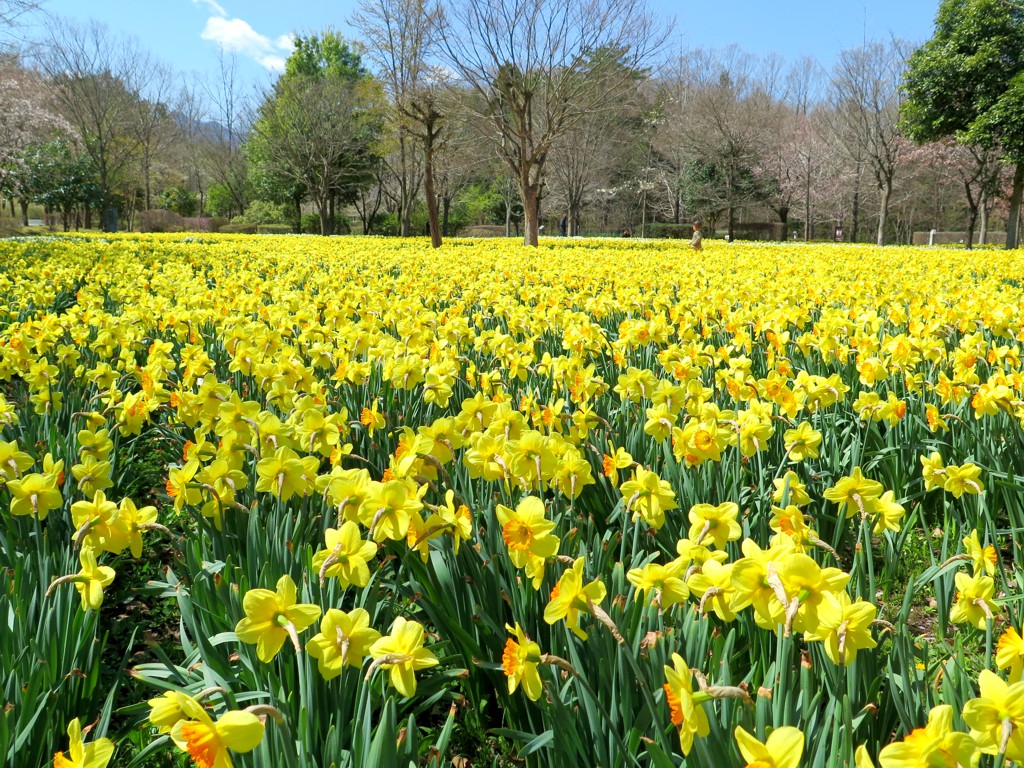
[(697, 242), (563, 226)]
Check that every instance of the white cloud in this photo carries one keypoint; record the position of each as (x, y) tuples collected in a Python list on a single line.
[(273, 63), (238, 36), (213, 5)]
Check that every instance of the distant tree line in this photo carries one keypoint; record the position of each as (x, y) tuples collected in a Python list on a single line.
[(527, 115)]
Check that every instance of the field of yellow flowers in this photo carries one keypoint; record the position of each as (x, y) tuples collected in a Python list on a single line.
[(308, 502)]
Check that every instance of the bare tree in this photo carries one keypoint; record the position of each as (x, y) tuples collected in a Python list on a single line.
[(13, 11), (400, 37), (539, 66), (731, 113), (153, 125), (97, 81), (224, 135), (866, 99)]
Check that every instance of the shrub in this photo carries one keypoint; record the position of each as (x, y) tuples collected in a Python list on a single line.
[(238, 229), (262, 212), (275, 229), (670, 231), (310, 224), (159, 220), (182, 201)]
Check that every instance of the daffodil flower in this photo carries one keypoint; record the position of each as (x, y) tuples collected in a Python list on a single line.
[(688, 716), (207, 741), (34, 494), (570, 597), (403, 654), (527, 532), (96, 754), (782, 749), (345, 557), (715, 525), (273, 617), (344, 640), (519, 660), (937, 744)]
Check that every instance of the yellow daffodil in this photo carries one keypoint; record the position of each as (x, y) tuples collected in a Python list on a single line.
[(963, 479), (402, 653), (648, 496), (803, 442), (92, 579), (1010, 654), (937, 745), (34, 494), (715, 525), (854, 493), (570, 597), (95, 754), (271, 617), (664, 580), (974, 604), (843, 626), (527, 532), (984, 559), (688, 717), (519, 660), (344, 640), (790, 485), (996, 717), (207, 741), (714, 587), (346, 556), (782, 749)]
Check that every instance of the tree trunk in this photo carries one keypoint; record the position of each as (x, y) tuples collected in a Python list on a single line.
[(854, 230), (732, 224), (508, 218), (983, 213), (298, 212), (13, 214), (428, 190), (807, 208), (883, 211), (784, 221), (24, 211), (531, 214), (145, 174), (972, 213), (325, 217), (972, 218), (1015, 200), (330, 214), (856, 215)]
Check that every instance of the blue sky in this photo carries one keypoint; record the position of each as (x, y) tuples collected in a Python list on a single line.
[(187, 33)]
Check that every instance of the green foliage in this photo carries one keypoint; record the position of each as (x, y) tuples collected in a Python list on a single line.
[(326, 55), (59, 178), (262, 212), (309, 224), (965, 81), (275, 229), (219, 201), (182, 201)]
